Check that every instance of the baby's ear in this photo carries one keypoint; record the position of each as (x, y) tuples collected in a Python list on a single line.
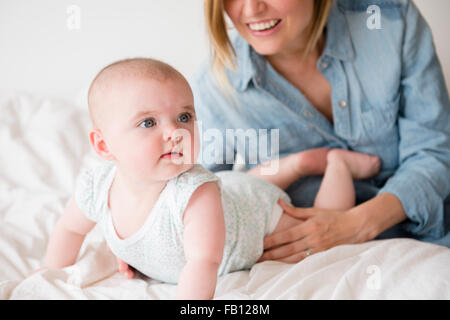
[(99, 144)]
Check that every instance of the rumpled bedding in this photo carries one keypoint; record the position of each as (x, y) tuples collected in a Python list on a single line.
[(44, 143)]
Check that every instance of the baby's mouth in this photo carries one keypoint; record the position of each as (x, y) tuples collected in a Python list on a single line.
[(172, 154)]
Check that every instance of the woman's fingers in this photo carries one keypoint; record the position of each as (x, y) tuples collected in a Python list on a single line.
[(285, 236), (297, 257), (323, 230), (299, 213), (284, 251), (279, 238), (291, 253), (293, 258)]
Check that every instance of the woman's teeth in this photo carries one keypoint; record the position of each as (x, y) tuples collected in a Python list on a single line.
[(263, 26)]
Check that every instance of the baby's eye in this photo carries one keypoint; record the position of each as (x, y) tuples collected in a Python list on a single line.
[(185, 117), (147, 123)]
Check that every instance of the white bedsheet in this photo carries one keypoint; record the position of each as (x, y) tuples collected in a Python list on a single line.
[(43, 145)]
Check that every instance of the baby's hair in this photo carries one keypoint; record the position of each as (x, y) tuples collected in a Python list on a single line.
[(123, 70)]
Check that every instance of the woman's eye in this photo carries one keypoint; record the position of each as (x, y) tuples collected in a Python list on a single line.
[(185, 117), (148, 123)]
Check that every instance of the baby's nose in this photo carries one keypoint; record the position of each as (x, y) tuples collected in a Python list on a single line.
[(171, 132)]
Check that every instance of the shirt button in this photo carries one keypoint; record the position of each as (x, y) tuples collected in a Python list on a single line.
[(342, 104), (324, 64)]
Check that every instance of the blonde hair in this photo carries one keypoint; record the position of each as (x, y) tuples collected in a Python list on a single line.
[(223, 53)]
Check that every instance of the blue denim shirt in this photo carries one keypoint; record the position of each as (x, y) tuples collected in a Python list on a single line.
[(388, 99)]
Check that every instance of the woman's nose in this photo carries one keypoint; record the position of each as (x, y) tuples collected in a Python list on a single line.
[(253, 7)]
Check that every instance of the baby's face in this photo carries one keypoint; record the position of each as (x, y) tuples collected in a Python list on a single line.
[(151, 129)]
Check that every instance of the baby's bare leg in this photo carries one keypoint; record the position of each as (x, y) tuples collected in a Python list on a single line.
[(337, 189), (292, 167)]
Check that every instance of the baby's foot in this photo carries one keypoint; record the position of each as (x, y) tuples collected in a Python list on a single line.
[(309, 162), (361, 165)]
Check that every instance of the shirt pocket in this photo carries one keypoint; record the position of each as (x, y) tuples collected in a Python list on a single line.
[(380, 131), (383, 116)]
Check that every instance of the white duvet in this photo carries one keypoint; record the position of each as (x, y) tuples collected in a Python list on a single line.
[(43, 145)]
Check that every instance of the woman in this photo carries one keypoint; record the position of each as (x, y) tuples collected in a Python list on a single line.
[(323, 75), (329, 74)]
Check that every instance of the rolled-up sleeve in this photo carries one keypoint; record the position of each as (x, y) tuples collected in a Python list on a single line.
[(422, 180)]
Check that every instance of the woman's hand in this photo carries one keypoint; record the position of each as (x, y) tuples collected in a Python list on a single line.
[(322, 229)]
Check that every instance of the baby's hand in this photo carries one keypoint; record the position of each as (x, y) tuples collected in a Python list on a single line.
[(124, 268)]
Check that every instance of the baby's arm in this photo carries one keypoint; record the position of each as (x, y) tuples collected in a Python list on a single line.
[(204, 240), (67, 237)]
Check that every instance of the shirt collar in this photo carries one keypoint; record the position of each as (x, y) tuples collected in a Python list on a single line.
[(338, 45), (338, 40), (246, 60)]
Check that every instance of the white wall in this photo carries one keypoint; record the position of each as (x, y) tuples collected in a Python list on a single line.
[(39, 54), (437, 13)]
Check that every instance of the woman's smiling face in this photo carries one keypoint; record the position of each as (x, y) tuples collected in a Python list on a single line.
[(272, 26)]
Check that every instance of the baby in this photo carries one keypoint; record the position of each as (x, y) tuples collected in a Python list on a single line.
[(161, 213)]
